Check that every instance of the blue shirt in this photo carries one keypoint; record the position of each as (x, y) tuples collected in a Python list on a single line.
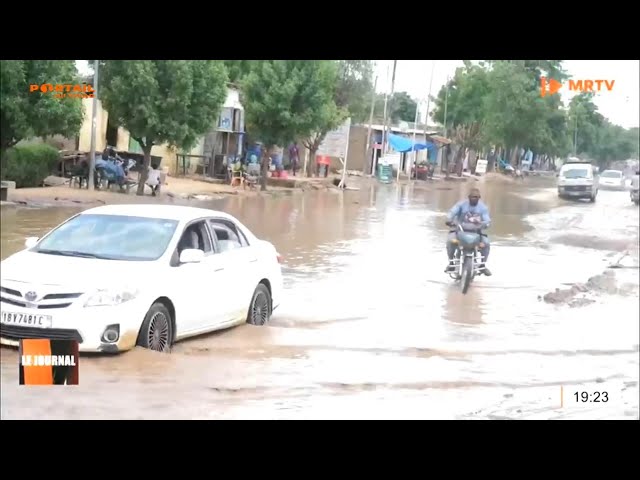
[(463, 211)]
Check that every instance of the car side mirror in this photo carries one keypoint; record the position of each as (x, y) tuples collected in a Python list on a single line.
[(31, 242), (191, 255)]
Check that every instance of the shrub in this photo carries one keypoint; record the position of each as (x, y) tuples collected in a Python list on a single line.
[(29, 165)]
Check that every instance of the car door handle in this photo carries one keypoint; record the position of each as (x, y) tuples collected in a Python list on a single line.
[(219, 269), (253, 260)]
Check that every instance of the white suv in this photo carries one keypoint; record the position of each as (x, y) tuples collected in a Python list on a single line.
[(578, 179)]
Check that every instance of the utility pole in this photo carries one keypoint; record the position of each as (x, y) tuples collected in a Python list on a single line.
[(426, 120), (393, 86), (444, 134), (94, 117), (384, 120), (370, 157), (414, 157), (426, 117)]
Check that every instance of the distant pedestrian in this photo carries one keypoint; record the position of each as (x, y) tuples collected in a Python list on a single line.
[(294, 157)]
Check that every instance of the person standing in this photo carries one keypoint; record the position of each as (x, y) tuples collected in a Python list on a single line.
[(294, 157)]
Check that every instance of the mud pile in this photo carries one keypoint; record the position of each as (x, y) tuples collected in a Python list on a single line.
[(581, 294)]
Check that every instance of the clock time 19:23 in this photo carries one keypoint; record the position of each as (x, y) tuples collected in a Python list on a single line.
[(591, 397)]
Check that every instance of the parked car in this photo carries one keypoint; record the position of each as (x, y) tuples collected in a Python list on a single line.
[(578, 179), (612, 179), (118, 276)]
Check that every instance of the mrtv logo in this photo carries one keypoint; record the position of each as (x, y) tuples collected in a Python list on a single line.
[(49, 362), (551, 86)]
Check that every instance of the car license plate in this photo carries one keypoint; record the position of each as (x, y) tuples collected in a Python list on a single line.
[(575, 193), (26, 319)]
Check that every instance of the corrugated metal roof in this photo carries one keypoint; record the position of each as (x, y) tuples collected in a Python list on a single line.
[(440, 139)]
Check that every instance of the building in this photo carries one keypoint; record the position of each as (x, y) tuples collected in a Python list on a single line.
[(357, 156), (224, 137)]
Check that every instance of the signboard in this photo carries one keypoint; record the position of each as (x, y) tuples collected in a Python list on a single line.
[(481, 167), (336, 143)]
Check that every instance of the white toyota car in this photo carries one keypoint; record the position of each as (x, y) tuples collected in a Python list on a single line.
[(118, 276)]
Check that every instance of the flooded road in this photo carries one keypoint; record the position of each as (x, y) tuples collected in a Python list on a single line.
[(371, 327)]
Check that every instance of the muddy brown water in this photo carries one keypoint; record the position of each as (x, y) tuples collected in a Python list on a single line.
[(372, 328)]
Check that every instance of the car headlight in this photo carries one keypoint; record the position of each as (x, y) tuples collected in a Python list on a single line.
[(110, 297)]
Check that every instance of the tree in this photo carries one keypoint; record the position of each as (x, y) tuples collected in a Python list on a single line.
[(465, 136), (239, 69), (515, 111), (163, 101), (288, 99), (354, 85), (25, 113), (466, 95), (503, 99), (351, 98), (403, 107)]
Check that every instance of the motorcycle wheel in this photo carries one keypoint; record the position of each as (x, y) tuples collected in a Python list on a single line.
[(466, 274)]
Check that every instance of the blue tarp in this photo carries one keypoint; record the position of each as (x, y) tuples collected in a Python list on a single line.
[(403, 145)]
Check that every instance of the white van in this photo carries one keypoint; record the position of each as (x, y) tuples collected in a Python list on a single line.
[(578, 179)]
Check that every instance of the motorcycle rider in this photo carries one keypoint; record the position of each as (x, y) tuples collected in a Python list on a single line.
[(472, 210)]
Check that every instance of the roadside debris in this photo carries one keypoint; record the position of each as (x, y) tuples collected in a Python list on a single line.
[(578, 294)]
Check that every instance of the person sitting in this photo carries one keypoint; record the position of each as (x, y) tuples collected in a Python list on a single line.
[(475, 211), (153, 179)]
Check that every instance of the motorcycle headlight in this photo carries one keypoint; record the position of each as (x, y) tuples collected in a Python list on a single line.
[(110, 297)]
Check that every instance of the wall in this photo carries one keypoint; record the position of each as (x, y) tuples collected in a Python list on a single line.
[(167, 153), (84, 144)]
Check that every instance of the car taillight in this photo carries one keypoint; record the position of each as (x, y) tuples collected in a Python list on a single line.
[(280, 258)]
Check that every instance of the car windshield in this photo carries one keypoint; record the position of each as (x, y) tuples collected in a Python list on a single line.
[(111, 237), (611, 174), (576, 173)]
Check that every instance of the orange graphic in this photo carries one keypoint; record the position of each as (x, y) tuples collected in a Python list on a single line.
[(35, 374), (49, 362), (552, 86), (64, 90)]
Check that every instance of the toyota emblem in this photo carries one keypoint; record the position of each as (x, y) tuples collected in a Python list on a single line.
[(31, 296)]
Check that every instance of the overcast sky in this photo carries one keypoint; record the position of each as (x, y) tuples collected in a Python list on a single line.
[(621, 105)]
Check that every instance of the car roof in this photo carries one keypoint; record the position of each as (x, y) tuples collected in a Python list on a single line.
[(617, 171), (169, 212)]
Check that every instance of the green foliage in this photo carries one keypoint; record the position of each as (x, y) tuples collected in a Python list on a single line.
[(25, 114), (163, 101), (400, 107), (503, 97), (354, 87), (514, 110), (29, 165), (467, 93), (239, 69), (287, 99), (404, 107)]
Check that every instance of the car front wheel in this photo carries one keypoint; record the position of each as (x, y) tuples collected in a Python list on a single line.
[(156, 332), (260, 306)]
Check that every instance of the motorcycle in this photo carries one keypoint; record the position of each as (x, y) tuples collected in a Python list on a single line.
[(467, 261)]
